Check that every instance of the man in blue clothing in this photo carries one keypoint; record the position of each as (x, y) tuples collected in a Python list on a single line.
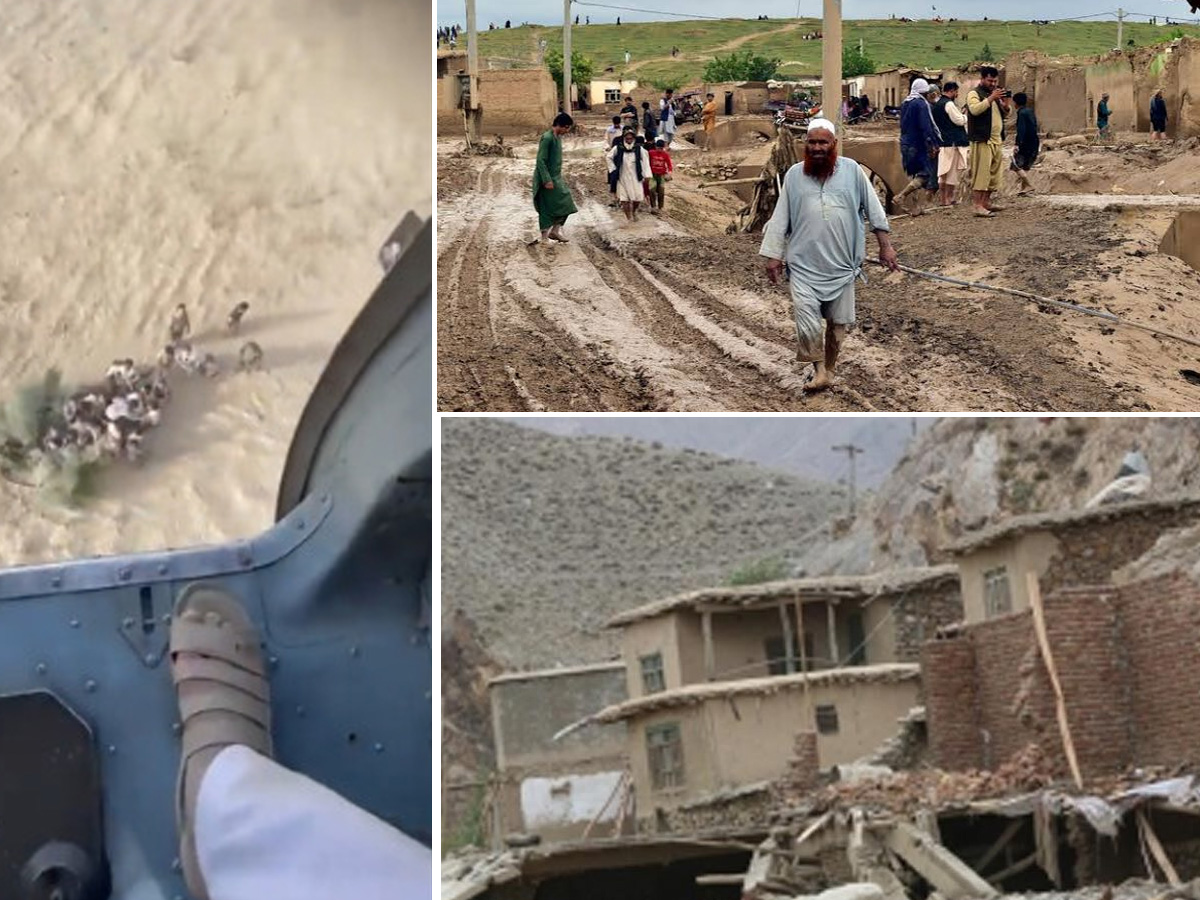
[(1158, 116), (1026, 151), (1103, 112), (920, 145)]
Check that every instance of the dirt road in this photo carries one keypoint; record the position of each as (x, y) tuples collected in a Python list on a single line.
[(660, 315)]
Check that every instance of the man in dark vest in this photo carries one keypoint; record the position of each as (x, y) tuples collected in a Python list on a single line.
[(987, 105), (952, 125)]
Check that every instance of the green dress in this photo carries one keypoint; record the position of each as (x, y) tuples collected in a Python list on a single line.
[(555, 205)]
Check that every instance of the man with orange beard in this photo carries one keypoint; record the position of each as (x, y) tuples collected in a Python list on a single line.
[(817, 228)]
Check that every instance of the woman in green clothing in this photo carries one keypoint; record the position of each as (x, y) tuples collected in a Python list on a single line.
[(551, 196)]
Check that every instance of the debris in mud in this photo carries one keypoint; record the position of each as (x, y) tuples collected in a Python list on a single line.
[(485, 149)]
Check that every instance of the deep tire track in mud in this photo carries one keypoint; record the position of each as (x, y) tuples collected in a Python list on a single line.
[(652, 318), (484, 362)]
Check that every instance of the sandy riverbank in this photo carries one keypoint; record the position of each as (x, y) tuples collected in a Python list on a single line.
[(205, 153)]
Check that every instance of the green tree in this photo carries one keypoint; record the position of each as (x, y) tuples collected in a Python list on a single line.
[(744, 66), (769, 568), (581, 67), (855, 62), (672, 82), (986, 54)]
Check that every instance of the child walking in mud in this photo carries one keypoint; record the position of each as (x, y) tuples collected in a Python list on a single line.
[(661, 168)]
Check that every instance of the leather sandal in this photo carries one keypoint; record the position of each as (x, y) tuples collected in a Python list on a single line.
[(227, 702)]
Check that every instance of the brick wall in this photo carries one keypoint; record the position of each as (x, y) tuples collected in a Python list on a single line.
[(1083, 629), (1127, 660), (948, 681), (1160, 628)]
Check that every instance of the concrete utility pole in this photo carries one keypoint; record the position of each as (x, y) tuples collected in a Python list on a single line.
[(472, 109), (1120, 27), (567, 56), (831, 62), (852, 451)]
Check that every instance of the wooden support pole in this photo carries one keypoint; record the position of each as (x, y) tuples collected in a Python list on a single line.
[(832, 623), (710, 663), (1156, 849), (789, 645), (1015, 869), (1060, 703), (1003, 841)]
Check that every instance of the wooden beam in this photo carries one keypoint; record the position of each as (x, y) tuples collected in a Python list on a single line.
[(1015, 869), (1003, 841), (1156, 849), (710, 658), (1060, 702), (789, 645)]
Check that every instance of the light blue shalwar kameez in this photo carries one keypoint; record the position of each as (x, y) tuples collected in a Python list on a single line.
[(817, 229)]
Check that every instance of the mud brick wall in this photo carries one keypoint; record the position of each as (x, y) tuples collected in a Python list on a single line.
[(1090, 552), (948, 681), (920, 613), (1160, 629)]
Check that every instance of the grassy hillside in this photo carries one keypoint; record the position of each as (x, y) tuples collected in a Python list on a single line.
[(887, 42)]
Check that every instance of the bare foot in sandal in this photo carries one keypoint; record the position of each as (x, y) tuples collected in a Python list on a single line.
[(220, 679)]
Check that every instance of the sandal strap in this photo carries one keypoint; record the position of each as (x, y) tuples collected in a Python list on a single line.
[(212, 696), (218, 641), (222, 672)]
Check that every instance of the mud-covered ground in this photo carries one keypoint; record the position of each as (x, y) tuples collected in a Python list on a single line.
[(671, 313)]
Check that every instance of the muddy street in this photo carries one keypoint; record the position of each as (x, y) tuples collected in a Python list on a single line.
[(672, 314)]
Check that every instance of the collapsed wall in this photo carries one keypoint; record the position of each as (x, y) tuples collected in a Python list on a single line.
[(1127, 661)]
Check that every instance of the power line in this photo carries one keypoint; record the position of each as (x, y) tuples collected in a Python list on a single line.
[(657, 12)]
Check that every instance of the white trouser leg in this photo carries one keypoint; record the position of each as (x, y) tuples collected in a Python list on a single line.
[(265, 831), (810, 327)]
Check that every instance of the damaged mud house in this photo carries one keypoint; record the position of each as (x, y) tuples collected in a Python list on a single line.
[(1025, 718)]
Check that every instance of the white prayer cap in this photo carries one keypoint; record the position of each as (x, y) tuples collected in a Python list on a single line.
[(921, 86), (822, 123)]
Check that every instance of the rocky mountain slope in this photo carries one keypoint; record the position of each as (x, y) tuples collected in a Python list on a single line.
[(802, 446), (544, 538), (968, 472)]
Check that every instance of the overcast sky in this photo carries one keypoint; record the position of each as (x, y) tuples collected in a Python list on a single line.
[(550, 11)]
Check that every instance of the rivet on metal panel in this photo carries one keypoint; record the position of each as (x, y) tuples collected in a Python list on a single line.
[(40, 668), (354, 651), (74, 623), (378, 748), (128, 623), (90, 686), (112, 748)]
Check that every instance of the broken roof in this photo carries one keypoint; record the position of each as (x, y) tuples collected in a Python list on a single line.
[(695, 694), (833, 587), (1048, 521)]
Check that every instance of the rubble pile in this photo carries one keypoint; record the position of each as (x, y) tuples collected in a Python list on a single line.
[(483, 148), (722, 172)]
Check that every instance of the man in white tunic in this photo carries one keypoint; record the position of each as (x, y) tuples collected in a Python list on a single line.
[(631, 163), (817, 229)]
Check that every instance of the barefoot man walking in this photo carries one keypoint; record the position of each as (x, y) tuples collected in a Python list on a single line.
[(817, 228), (551, 196)]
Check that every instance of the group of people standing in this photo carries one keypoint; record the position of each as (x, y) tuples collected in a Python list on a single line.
[(949, 149), (639, 164)]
